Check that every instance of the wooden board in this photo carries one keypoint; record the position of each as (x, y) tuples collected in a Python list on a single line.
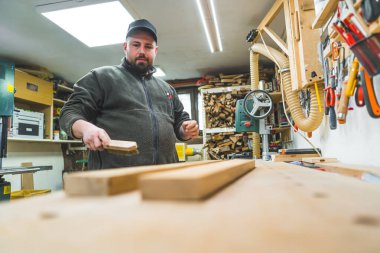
[(349, 169), (291, 158), (114, 181), (127, 147), (327, 11), (319, 160), (193, 183), (277, 207)]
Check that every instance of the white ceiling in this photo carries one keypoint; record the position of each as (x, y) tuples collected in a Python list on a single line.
[(27, 37)]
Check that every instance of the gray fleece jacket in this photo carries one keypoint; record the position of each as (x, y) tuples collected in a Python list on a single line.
[(128, 107)]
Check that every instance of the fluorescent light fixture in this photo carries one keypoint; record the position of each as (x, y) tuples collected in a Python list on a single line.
[(216, 25), (210, 24), (159, 72), (94, 25)]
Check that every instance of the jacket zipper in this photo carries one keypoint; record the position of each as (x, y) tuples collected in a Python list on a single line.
[(155, 123)]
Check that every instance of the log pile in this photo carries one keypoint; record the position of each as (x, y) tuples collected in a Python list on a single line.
[(222, 145), (214, 81), (220, 108), (222, 80)]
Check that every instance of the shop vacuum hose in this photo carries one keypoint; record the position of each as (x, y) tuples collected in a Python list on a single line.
[(304, 123), (254, 59)]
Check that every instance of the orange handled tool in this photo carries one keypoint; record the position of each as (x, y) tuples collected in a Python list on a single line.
[(371, 102), (351, 84), (343, 104)]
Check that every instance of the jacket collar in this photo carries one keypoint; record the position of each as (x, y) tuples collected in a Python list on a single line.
[(127, 65)]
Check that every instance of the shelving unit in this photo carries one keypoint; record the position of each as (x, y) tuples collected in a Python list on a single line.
[(218, 138), (65, 88), (59, 102), (209, 132), (61, 94), (35, 94), (219, 130)]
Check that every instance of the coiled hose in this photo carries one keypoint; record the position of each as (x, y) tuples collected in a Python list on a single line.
[(305, 123), (254, 73)]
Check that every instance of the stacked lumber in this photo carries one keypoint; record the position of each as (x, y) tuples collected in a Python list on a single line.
[(184, 181), (225, 145), (194, 183), (213, 81), (220, 108), (222, 80)]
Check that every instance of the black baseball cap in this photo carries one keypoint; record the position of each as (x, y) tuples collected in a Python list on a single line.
[(143, 25)]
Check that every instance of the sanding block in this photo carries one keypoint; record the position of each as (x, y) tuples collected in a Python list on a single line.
[(122, 147)]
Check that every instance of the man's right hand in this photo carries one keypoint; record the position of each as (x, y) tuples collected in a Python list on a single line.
[(94, 137)]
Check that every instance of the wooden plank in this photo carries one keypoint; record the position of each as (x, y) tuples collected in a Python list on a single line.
[(277, 39), (328, 10), (349, 169), (293, 51), (271, 14), (374, 27), (27, 180), (114, 181), (271, 209), (127, 147), (193, 183), (307, 45), (319, 159), (291, 158)]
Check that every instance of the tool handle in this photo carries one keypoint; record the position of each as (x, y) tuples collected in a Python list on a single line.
[(352, 79), (370, 99), (318, 98), (343, 104), (332, 118)]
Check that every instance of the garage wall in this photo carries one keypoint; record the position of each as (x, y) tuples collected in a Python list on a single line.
[(356, 142)]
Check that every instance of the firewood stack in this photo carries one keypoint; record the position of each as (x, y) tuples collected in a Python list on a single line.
[(212, 81), (220, 108), (220, 145), (224, 81)]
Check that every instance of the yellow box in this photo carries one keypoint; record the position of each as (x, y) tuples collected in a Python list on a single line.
[(31, 88)]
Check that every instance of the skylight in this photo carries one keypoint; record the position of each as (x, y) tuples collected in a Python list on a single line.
[(94, 25)]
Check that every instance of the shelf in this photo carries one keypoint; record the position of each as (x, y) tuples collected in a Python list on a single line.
[(226, 89), (58, 101), (219, 130), (327, 11), (375, 26), (44, 140), (281, 129), (65, 88)]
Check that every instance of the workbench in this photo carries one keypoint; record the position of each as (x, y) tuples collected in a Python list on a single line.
[(277, 207)]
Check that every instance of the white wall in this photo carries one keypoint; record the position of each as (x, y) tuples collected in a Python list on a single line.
[(356, 142), (38, 154)]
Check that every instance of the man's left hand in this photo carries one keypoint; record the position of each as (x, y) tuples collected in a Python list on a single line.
[(189, 129)]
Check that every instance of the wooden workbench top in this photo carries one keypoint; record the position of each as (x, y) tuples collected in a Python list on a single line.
[(277, 207)]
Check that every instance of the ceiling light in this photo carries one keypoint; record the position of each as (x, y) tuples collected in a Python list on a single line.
[(94, 25), (159, 72), (210, 24)]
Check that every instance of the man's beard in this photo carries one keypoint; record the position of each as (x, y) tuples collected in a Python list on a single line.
[(142, 67)]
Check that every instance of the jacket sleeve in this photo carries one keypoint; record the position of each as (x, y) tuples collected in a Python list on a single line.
[(83, 104), (179, 114)]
